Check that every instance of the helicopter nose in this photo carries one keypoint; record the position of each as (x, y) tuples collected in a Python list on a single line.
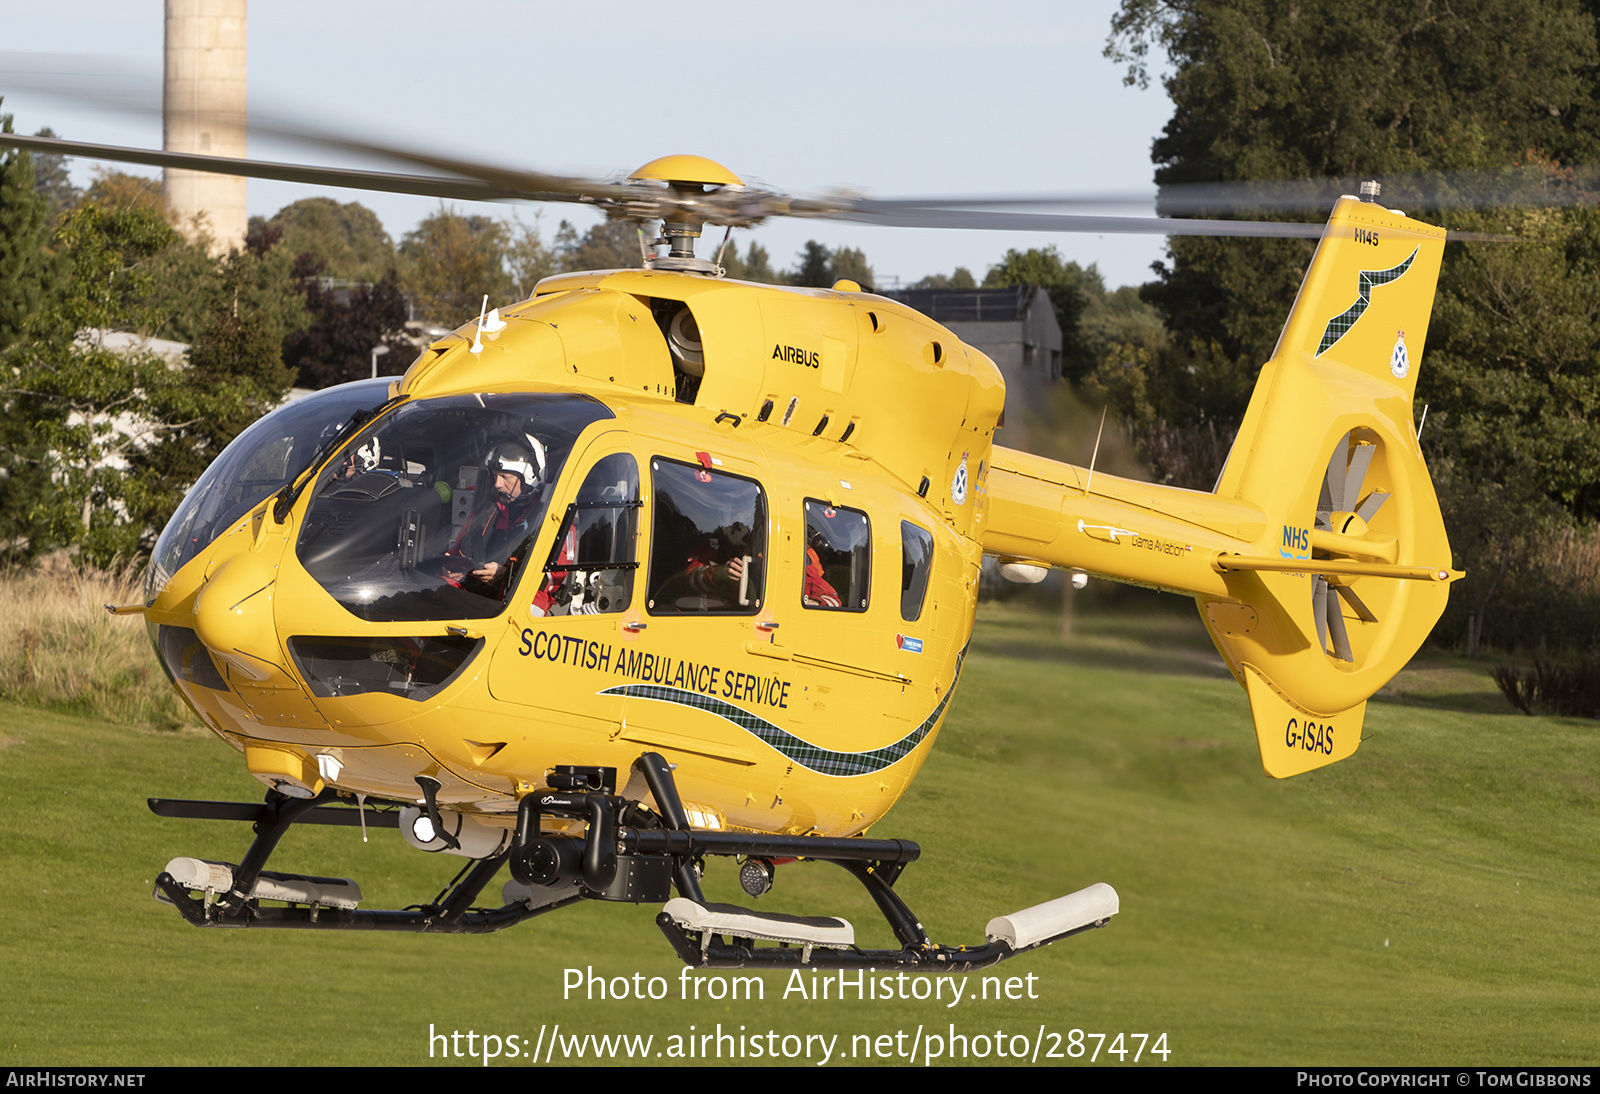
[(233, 617)]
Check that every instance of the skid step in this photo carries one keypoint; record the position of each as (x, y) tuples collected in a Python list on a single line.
[(730, 919)]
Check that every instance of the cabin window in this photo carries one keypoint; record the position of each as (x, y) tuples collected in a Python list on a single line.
[(916, 555), (708, 541), (591, 564), (838, 569)]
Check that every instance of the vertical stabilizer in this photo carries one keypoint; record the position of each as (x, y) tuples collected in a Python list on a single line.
[(1328, 450)]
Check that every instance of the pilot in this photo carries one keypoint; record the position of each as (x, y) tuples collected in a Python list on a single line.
[(502, 519)]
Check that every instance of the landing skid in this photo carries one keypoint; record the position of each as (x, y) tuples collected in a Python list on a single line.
[(627, 853)]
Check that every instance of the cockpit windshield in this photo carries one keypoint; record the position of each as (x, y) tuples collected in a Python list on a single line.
[(259, 462), (431, 512)]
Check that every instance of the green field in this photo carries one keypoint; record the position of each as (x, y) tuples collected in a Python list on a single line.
[(1430, 901)]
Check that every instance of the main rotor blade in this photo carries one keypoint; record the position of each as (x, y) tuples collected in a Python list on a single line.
[(103, 82), (113, 83), (1510, 186), (485, 183), (503, 188), (908, 216), (510, 179), (464, 189)]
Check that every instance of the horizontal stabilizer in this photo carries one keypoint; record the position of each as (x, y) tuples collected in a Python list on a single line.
[(1054, 918)]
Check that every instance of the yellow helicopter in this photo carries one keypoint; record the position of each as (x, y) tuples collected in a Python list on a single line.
[(656, 566)]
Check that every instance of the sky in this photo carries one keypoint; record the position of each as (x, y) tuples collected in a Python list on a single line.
[(884, 98)]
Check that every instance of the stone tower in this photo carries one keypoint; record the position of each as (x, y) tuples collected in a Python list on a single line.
[(203, 110)]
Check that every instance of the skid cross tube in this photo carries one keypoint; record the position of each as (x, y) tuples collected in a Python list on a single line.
[(282, 811), (664, 789)]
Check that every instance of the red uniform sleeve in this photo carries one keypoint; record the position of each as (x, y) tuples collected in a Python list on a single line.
[(817, 587), (547, 592)]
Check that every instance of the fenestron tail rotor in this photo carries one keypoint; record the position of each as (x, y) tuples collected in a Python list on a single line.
[(1341, 531)]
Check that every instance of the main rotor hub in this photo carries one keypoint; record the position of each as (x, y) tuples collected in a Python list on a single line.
[(687, 169), (689, 178)]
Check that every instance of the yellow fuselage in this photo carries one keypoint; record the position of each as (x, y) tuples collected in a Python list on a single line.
[(793, 719)]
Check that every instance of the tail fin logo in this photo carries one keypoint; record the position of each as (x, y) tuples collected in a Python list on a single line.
[(1369, 279)]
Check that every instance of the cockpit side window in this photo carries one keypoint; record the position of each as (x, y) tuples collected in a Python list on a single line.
[(838, 568), (591, 565), (916, 562), (708, 550)]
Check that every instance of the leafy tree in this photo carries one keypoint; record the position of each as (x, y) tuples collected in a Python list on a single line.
[(72, 406), (1513, 368), (338, 346), (450, 262), (26, 268), (98, 442), (961, 279), (348, 241), (27, 274), (118, 191), (755, 265), (819, 267), (850, 264), (814, 267), (52, 181), (235, 373), (1325, 89), (609, 245), (187, 284), (532, 260)]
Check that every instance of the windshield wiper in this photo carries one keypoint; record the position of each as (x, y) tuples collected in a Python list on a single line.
[(297, 482)]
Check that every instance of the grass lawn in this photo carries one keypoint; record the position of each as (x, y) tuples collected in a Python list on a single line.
[(1430, 901)]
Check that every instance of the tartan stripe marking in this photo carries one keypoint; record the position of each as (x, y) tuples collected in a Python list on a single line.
[(812, 757), (1369, 279)]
